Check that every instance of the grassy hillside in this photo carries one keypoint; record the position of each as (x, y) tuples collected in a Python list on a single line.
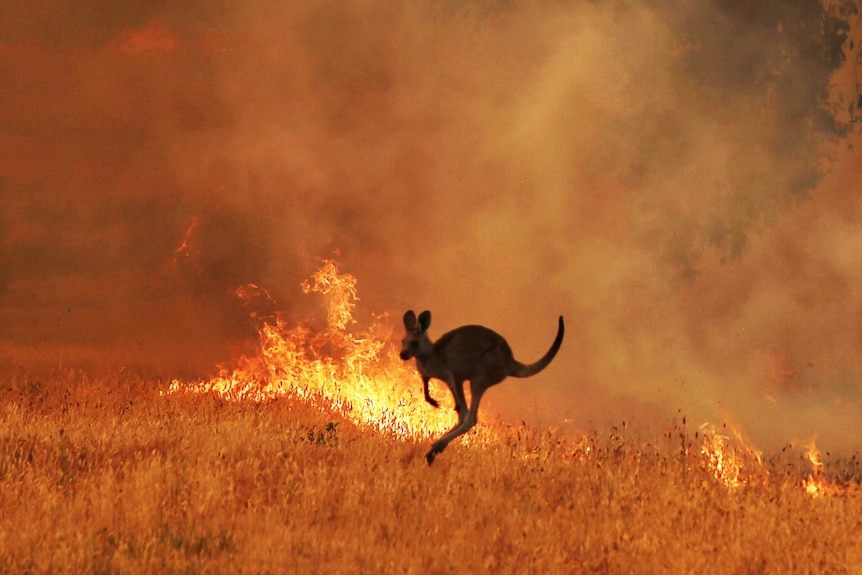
[(110, 475)]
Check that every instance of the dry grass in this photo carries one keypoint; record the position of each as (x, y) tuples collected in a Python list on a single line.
[(105, 475)]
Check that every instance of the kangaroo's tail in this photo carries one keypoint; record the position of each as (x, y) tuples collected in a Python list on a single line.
[(521, 370)]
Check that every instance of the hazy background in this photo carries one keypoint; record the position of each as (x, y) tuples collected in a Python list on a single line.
[(679, 180)]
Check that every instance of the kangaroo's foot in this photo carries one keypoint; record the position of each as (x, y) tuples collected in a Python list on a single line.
[(435, 449)]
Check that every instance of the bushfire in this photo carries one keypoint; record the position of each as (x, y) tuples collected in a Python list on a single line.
[(355, 372), (734, 461), (358, 374)]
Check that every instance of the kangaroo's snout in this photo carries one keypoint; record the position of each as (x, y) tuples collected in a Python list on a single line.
[(409, 346)]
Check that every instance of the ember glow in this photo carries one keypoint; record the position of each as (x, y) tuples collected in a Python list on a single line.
[(354, 372)]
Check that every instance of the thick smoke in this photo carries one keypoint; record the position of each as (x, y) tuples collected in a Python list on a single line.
[(657, 172)]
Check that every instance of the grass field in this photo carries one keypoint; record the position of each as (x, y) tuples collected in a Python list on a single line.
[(109, 474)]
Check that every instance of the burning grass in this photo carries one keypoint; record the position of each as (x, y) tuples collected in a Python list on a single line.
[(354, 372), (110, 474), (309, 458)]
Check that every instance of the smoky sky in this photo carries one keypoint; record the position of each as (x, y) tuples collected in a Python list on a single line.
[(677, 180)]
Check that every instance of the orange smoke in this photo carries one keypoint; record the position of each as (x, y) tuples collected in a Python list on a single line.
[(152, 39)]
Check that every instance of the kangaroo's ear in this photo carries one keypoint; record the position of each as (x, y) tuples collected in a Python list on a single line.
[(424, 320), (409, 320)]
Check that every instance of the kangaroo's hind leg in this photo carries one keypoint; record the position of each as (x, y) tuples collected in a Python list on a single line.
[(465, 422), (457, 389)]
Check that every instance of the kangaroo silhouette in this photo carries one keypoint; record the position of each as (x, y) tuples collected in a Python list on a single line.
[(470, 352)]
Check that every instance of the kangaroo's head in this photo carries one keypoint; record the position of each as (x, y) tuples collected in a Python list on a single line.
[(416, 342)]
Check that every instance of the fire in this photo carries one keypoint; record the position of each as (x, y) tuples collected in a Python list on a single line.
[(341, 290), (816, 483), (185, 249), (733, 462), (356, 373)]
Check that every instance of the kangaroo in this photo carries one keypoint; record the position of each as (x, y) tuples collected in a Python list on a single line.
[(469, 352)]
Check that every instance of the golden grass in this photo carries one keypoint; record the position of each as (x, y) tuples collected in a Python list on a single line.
[(106, 475)]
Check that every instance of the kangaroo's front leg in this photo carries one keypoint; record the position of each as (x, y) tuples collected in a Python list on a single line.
[(428, 397)]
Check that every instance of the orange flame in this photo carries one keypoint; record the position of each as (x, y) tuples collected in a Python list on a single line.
[(733, 462), (816, 483), (359, 374), (341, 290), (355, 373), (185, 249)]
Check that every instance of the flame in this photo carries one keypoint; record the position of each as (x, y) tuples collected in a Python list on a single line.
[(816, 483), (185, 249), (356, 373), (341, 290), (733, 462)]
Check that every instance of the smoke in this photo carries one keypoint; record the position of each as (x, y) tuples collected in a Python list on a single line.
[(658, 173)]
